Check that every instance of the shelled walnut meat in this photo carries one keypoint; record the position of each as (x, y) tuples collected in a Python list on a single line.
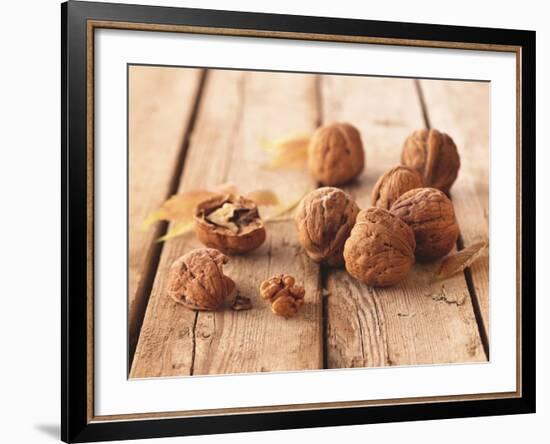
[(335, 154), (434, 156), (430, 214), (380, 249), (229, 223), (285, 295), (196, 280), (394, 183), (324, 219)]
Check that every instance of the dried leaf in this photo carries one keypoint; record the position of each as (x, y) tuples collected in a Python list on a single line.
[(288, 153), (264, 197), (227, 188), (284, 210), (177, 229), (457, 262)]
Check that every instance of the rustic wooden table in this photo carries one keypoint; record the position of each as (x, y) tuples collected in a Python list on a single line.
[(191, 128)]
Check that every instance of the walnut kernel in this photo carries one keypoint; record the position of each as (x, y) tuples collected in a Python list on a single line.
[(285, 296)]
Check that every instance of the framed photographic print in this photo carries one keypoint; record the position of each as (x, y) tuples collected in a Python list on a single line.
[(275, 221)]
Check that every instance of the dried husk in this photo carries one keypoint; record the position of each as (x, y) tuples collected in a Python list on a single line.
[(380, 249), (430, 214)]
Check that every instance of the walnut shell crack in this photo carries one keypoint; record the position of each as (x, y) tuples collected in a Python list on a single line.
[(324, 219), (196, 280), (380, 249), (434, 155), (335, 154), (430, 214), (392, 184), (230, 224), (285, 295)]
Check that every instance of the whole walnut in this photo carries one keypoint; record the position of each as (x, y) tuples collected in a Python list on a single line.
[(430, 214), (335, 154), (285, 296), (394, 183), (380, 249), (434, 156), (196, 280), (324, 219), (229, 223)]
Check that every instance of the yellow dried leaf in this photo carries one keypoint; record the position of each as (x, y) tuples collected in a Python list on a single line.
[(177, 229), (264, 197), (457, 262), (227, 188), (288, 153), (284, 209)]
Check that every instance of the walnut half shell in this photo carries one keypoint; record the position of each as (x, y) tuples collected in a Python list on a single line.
[(380, 249), (196, 280), (229, 223)]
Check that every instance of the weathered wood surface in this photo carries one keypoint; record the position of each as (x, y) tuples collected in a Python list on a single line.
[(462, 110), (417, 321), (237, 111), (160, 105)]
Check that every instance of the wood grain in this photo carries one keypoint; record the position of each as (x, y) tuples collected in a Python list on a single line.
[(418, 321), (238, 110), (462, 110), (160, 105)]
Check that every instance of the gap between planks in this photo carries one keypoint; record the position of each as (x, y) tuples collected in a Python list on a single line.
[(151, 265), (460, 243)]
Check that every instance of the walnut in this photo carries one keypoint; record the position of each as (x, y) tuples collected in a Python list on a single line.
[(394, 183), (335, 154), (324, 219), (380, 249), (196, 280), (434, 156), (285, 296), (229, 223), (430, 214)]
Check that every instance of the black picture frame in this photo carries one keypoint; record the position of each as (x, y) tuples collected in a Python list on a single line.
[(77, 425)]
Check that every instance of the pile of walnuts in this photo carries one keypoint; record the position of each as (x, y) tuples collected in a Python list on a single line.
[(411, 218)]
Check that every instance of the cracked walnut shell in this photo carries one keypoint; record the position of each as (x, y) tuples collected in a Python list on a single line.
[(394, 183), (430, 214), (229, 223), (434, 156), (335, 154), (285, 296), (324, 219), (196, 280), (380, 249)]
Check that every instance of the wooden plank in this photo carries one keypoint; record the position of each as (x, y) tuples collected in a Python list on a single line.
[(417, 321), (462, 110), (238, 110), (160, 105)]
